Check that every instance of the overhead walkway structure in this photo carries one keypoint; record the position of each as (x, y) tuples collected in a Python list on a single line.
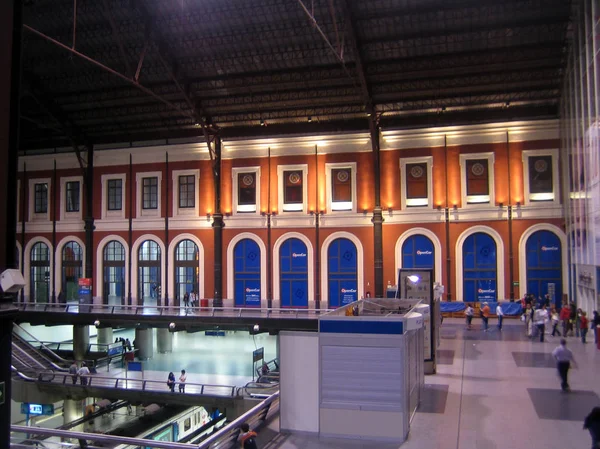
[(270, 320)]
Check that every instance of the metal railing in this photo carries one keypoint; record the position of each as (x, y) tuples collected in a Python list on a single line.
[(211, 311), (159, 386), (225, 438)]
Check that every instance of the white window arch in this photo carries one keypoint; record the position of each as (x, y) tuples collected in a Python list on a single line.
[(523, 254), (436, 244), (100, 262), (59, 253), (360, 277), (263, 264), (27, 271), (134, 272), (171, 259), (311, 266), (499, 259)]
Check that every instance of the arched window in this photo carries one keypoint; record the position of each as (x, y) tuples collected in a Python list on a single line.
[(113, 268), (40, 273), (293, 273), (246, 273), (418, 252), (479, 268), (186, 269), (72, 259), (544, 266), (342, 269), (149, 288)]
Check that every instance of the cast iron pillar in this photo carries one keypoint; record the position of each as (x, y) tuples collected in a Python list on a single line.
[(10, 68), (218, 224), (89, 213), (377, 212)]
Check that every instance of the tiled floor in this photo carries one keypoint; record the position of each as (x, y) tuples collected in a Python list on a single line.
[(492, 390)]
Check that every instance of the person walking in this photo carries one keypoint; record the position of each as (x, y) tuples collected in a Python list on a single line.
[(171, 382), (485, 316), (583, 326), (182, 380), (73, 372), (592, 424), (578, 323), (541, 317), (186, 300), (564, 315), (595, 324), (248, 437), (564, 358), (83, 373), (500, 315), (469, 312), (555, 320)]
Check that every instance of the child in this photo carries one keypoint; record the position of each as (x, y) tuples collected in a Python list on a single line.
[(583, 326), (248, 437), (469, 315)]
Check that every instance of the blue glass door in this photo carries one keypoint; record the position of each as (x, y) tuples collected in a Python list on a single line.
[(418, 252), (246, 273), (544, 265), (479, 268), (293, 273), (342, 272)]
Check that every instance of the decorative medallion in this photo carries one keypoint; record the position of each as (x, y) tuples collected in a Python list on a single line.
[(248, 180), (294, 177), (417, 171), (540, 166), (342, 175), (478, 169)]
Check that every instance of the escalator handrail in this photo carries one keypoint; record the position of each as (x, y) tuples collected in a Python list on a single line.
[(51, 364), (27, 355), (42, 345)]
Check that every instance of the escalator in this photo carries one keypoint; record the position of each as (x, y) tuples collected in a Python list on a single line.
[(32, 359)]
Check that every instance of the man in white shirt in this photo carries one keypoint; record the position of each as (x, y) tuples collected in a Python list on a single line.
[(540, 317), (83, 373), (500, 315), (564, 358)]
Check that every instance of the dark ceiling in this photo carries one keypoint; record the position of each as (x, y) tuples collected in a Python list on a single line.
[(237, 63)]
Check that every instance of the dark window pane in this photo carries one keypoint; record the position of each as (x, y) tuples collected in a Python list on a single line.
[(478, 177), (187, 191), (540, 174), (115, 194), (416, 181), (341, 185), (292, 193), (246, 189), (72, 198), (41, 198), (150, 193)]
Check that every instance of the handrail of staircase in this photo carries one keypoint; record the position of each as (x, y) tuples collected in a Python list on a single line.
[(45, 348)]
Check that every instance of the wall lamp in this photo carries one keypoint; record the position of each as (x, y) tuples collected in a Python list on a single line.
[(518, 204), (228, 214), (365, 211), (439, 208), (501, 205), (455, 207), (208, 216)]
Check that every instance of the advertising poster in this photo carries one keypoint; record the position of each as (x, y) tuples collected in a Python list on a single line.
[(252, 296), (85, 294), (486, 291), (348, 294)]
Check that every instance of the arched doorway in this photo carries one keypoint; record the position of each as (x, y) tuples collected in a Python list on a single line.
[(246, 273), (544, 265), (342, 270), (39, 276), (293, 273), (149, 264), (72, 261), (186, 269), (113, 262), (479, 268), (418, 252)]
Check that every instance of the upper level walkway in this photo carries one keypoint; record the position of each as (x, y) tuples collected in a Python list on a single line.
[(190, 318)]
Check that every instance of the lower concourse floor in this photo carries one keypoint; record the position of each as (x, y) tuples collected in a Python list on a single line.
[(492, 390)]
